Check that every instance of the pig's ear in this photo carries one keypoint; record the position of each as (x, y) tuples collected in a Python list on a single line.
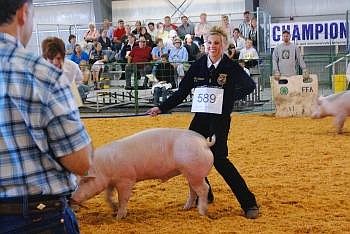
[(89, 175), (86, 178)]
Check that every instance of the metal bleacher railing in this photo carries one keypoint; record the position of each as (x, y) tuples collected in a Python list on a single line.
[(114, 97)]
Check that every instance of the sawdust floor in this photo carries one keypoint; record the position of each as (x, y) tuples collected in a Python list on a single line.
[(298, 168)]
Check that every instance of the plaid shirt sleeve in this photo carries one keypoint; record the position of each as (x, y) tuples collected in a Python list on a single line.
[(66, 133)]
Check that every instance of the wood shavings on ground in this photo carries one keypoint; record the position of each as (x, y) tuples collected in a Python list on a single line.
[(298, 168)]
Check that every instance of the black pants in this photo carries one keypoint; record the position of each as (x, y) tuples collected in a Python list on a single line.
[(209, 124)]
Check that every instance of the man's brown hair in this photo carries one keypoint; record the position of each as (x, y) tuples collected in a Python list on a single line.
[(52, 46)]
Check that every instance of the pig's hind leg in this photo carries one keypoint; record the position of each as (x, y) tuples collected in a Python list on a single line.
[(191, 200), (339, 122), (198, 187)]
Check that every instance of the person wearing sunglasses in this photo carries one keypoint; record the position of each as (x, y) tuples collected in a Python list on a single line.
[(232, 53), (141, 55)]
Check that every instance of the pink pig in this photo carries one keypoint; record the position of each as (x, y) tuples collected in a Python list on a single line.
[(159, 153), (337, 105)]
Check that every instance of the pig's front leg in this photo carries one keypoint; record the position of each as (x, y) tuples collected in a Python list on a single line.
[(191, 200), (339, 122), (124, 192), (109, 198)]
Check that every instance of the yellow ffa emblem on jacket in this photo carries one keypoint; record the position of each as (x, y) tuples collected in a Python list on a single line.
[(222, 79)]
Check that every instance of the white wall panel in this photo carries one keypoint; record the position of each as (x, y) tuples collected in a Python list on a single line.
[(305, 9), (155, 10), (64, 14), (52, 18)]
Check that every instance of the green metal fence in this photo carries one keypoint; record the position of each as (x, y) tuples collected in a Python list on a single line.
[(115, 98)]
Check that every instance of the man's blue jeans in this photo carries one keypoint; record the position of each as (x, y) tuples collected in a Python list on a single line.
[(55, 222)]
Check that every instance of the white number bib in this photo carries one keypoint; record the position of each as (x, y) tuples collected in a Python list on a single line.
[(207, 100)]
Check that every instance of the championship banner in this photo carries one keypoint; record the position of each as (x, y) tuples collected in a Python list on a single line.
[(318, 33)]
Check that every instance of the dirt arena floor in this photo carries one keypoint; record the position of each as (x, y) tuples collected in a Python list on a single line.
[(298, 168)]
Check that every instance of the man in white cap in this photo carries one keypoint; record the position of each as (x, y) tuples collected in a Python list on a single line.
[(192, 48), (177, 56)]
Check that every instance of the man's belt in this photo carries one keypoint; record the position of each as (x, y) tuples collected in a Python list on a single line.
[(18, 206)]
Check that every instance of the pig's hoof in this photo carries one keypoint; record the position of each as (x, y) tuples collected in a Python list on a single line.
[(202, 209), (114, 208), (189, 205), (202, 212), (121, 215)]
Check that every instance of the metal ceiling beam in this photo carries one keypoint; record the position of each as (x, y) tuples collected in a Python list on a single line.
[(177, 8)]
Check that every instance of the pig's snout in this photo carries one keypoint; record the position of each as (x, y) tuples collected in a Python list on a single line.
[(77, 197), (316, 110)]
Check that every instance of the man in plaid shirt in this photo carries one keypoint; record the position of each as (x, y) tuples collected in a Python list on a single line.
[(42, 140)]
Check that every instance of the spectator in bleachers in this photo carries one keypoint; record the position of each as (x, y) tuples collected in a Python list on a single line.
[(138, 54), (124, 39), (202, 29), (238, 40), (185, 28), (201, 51), (244, 27), (130, 44), (253, 32), (97, 59), (84, 68), (157, 53), (152, 31), (79, 55), (168, 25), (178, 56), (249, 54), (104, 40), (127, 47), (241, 62), (53, 50), (137, 30), (225, 25), (159, 50), (92, 34), (72, 40), (192, 48), (169, 43), (118, 33), (108, 26), (146, 35), (165, 74), (285, 57), (87, 47), (161, 32), (232, 52)]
